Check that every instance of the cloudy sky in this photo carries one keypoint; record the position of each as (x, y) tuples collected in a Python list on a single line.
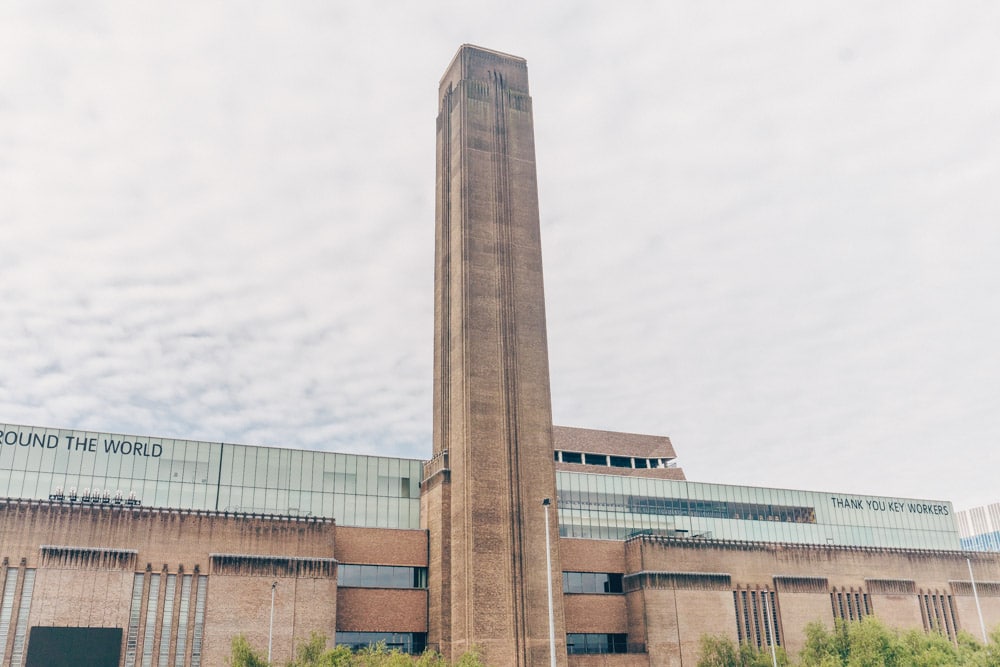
[(771, 230)]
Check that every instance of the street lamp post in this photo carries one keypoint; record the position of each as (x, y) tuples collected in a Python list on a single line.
[(546, 503), (270, 630), (769, 631), (975, 594)]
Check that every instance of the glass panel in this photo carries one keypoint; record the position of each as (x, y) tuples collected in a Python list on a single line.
[(199, 622), (168, 620), (180, 650), (132, 636), (23, 611), (151, 608)]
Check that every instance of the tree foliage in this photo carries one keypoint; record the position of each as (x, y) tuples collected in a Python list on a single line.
[(865, 643), (244, 655), (720, 651), (313, 652)]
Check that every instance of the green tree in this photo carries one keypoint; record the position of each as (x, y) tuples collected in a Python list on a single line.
[(872, 644), (921, 649), (824, 648), (974, 654), (244, 655), (718, 651), (869, 643), (721, 651), (865, 643), (313, 652)]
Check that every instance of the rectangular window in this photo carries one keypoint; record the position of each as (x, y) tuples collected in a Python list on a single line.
[(182, 621), (586, 642), (7, 608), (413, 643), (592, 582), (168, 619), (380, 576), (595, 459), (739, 626), (572, 457), (135, 612), (151, 609), (23, 610), (199, 622), (773, 611), (756, 617)]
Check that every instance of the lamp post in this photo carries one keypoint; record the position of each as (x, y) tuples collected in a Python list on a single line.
[(769, 633), (270, 630), (975, 594), (546, 503)]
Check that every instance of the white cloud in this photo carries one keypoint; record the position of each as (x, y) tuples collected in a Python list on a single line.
[(774, 223)]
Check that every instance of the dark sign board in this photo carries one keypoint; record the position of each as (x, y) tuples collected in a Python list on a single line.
[(74, 647)]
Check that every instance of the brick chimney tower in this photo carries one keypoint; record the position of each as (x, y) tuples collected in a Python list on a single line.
[(493, 454)]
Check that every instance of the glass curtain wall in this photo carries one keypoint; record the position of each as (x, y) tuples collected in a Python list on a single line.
[(614, 507), (356, 490)]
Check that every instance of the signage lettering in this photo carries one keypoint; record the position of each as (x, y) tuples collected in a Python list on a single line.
[(82, 444), (887, 505)]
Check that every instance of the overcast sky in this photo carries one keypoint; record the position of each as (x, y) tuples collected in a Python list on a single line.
[(771, 230)]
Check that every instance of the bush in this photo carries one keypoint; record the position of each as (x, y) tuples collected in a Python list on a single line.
[(721, 651), (313, 652), (864, 643)]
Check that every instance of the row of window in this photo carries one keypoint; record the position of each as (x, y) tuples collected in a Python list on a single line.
[(938, 614), (610, 460), (357, 490), (592, 582), (381, 576), (160, 611), (605, 506), (850, 606), (415, 643), (983, 542), (129, 459), (756, 618), (714, 509)]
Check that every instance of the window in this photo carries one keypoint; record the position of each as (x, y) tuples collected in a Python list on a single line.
[(199, 622), (151, 609), (182, 621), (620, 462), (381, 576), (21, 628), (132, 638), (595, 459), (7, 607), (572, 457), (592, 582), (578, 642), (168, 619), (407, 642)]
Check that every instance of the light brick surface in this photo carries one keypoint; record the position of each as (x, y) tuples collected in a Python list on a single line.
[(95, 553)]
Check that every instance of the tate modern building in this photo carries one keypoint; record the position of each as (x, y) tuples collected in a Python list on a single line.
[(140, 550)]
